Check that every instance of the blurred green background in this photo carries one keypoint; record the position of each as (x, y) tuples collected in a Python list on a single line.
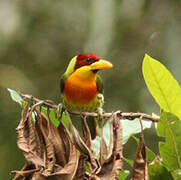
[(38, 38)]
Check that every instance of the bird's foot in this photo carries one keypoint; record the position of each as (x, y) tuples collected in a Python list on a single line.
[(100, 114), (99, 121)]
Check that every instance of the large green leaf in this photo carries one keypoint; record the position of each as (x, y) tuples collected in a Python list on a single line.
[(169, 127), (130, 127), (133, 127), (176, 174), (157, 171), (162, 85)]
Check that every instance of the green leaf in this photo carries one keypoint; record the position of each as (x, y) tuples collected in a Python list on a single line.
[(176, 174), (162, 85), (65, 120), (15, 96), (51, 115), (96, 145), (133, 127), (123, 174), (150, 155), (106, 133), (157, 171), (129, 128), (169, 127), (53, 118), (87, 168)]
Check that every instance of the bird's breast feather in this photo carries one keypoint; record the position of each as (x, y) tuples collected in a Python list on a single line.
[(80, 91)]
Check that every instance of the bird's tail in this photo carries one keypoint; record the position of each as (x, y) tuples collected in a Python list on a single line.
[(92, 123)]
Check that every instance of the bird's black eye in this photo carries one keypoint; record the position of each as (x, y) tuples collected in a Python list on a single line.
[(90, 60)]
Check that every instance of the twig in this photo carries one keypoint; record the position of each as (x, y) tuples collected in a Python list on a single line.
[(123, 115)]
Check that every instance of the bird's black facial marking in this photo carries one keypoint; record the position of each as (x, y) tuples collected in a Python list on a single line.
[(95, 71), (90, 60)]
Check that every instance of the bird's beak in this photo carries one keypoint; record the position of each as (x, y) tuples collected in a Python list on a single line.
[(101, 64)]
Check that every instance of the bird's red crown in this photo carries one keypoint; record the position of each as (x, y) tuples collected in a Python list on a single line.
[(86, 59)]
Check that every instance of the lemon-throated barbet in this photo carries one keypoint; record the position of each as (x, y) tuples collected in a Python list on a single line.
[(81, 86)]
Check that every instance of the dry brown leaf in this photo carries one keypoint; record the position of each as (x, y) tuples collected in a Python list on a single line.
[(103, 151), (112, 164), (27, 169), (69, 170), (91, 161), (86, 133), (118, 148), (140, 171), (80, 174), (49, 155), (111, 143), (77, 140), (61, 153), (49, 149), (38, 176), (52, 153), (25, 141)]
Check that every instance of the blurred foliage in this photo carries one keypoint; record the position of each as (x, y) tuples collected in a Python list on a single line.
[(38, 38)]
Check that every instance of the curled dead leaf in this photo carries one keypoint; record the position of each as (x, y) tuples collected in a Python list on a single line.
[(140, 171), (56, 153), (111, 164), (48, 150), (26, 141)]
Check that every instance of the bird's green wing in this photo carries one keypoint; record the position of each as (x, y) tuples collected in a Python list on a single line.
[(99, 84), (62, 82), (71, 66), (67, 73)]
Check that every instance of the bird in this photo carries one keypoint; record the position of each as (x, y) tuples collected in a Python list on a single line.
[(82, 87)]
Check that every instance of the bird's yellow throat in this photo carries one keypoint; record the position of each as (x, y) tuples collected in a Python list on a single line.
[(80, 87)]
